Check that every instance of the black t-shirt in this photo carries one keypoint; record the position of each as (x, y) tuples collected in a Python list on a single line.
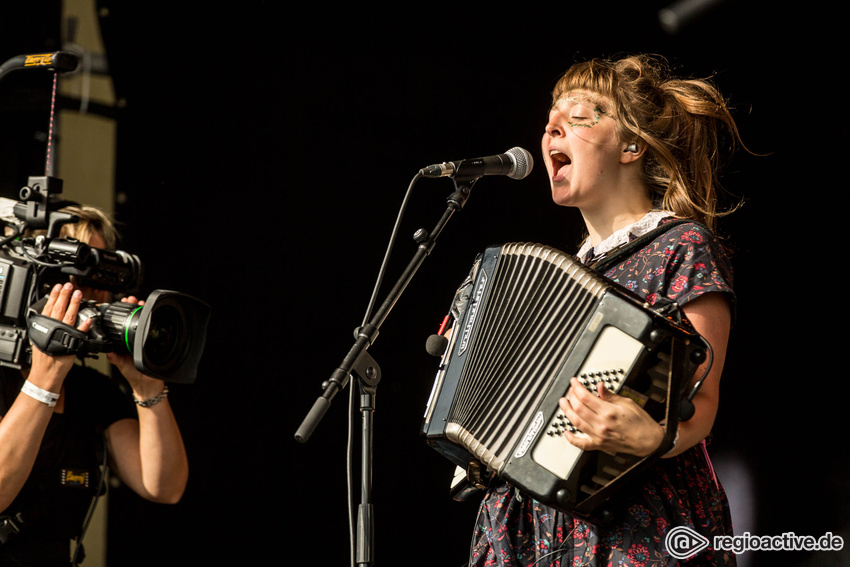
[(66, 475)]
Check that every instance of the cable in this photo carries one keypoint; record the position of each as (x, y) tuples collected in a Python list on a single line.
[(393, 238), (352, 397)]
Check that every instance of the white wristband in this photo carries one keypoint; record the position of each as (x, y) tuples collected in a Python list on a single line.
[(39, 394)]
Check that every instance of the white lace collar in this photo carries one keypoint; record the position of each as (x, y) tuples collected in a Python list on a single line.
[(623, 236)]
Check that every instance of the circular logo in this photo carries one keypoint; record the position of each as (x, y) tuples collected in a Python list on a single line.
[(683, 542)]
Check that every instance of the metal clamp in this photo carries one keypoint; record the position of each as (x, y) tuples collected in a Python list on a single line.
[(10, 526)]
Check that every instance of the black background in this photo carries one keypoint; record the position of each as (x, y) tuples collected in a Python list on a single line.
[(263, 154)]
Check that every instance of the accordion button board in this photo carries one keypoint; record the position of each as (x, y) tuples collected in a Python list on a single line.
[(614, 353)]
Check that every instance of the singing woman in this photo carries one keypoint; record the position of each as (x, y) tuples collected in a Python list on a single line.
[(633, 149)]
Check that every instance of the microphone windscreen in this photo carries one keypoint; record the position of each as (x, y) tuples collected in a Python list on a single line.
[(436, 345), (523, 162)]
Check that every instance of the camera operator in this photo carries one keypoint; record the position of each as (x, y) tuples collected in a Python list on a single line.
[(56, 419)]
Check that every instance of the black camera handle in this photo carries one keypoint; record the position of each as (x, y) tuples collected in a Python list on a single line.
[(359, 362), (54, 337)]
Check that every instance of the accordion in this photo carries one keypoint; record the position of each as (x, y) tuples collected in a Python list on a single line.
[(527, 320)]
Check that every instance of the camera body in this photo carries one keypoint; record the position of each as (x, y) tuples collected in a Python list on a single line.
[(165, 335)]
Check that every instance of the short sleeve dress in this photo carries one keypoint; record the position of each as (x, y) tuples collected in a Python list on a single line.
[(513, 529)]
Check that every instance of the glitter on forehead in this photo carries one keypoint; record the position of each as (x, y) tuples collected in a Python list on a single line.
[(584, 97)]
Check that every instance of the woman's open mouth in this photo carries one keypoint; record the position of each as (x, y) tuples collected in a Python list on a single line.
[(558, 159)]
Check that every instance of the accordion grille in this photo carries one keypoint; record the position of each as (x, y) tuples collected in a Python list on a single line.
[(538, 302)]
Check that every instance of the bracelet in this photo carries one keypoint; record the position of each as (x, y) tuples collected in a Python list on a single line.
[(39, 394), (150, 402)]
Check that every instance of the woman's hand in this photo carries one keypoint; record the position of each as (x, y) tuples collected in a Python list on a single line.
[(144, 387), (22, 428), (63, 304), (616, 424), (609, 422), (148, 454)]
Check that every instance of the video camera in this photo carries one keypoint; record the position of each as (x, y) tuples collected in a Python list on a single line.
[(165, 336)]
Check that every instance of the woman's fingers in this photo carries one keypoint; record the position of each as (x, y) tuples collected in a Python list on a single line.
[(609, 422), (63, 304), (52, 298)]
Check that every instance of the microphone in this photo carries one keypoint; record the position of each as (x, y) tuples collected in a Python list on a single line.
[(516, 163), (436, 345)]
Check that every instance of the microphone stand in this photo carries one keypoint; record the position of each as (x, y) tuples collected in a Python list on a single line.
[(360, 363)]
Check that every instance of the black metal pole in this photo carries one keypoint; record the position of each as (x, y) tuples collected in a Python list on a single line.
[(360, 363)]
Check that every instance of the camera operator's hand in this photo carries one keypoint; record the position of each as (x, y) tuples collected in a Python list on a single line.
[(23, 427), (144, 387), (48, 372)]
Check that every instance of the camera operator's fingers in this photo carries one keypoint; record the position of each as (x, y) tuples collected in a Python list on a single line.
[(63, 304), (73, 308), (52, 298), (58, 301), (85, 324), (64, 308)]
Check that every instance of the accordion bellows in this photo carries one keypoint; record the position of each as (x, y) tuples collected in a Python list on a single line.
[(528, 319)]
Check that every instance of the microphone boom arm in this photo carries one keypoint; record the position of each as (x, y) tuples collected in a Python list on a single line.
[(367, 334), (359, 362)]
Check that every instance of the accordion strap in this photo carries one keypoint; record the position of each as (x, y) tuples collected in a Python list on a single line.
[(618, 254)]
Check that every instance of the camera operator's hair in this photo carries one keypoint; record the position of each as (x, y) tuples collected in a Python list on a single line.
[(92, 220)]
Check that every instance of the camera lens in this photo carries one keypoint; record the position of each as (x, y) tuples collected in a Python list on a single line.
[(166, 338), (120, 321)]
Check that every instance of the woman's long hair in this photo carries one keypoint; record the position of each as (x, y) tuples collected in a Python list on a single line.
[(685, 124)]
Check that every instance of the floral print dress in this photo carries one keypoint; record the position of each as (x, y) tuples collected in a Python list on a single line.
[(513, 529)]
